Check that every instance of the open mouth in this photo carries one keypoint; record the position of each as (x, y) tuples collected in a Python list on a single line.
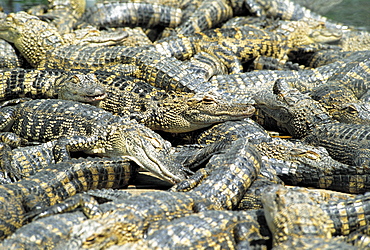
[(94, 98)]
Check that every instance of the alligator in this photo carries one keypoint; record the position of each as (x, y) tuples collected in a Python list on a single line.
[(231, 172), (17, 83), (55, 229), (358, 84), (295, 213), (73, 232), (132, 217), (175, 112), (58, 182), (353, 112), (319, 58), (241, 87), (290, 109), (271, 63), (207, 230), (207, 15), (94, 234), (231, 131), (347, 143), (233, 46), (223, 133), (135, 37), (122, 221), (64, 15), (341, 103), (252, 198), (305, 118), (11, 26), (133, 14), (8, 56), (124, 96), (288, 10), (299, 164), (355, 40), (22, 162), (158, 70), (82, 127)]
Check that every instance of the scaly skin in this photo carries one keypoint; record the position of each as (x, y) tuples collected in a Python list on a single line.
[(65, 14), (299, 164), (125, 96), (207, 15), (347, 143), (232, 172), (234, 46), (56, 183), (293, 214), (352, 70), (175, 112), (24, 237), (60, 84), (205, 230), (82, 127), (29, 34), (22, 162), (8, 56), (297, 213), (294, 112), (128, 220), (287, 10), (146, 15), (305, 118), (21, 29)]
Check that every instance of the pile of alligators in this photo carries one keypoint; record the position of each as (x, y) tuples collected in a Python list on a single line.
[(256, 113)]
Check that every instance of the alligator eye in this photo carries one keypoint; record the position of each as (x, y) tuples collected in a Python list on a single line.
[(351, 109), (77, 79), (208, 99)]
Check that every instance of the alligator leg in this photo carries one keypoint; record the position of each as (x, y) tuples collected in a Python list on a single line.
[(67, 144), (88, 204)]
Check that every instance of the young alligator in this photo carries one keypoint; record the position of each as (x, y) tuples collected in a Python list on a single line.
[(287, 10), (241, 87), (303, 117), (82, 127), (44, 47), (50, 84), (8, 56), (208, 230), (290, 109), (207, 15), (64, 14), (175, 112), (296, 217), (22, 162), (65, 231), (231, 172), (234, 46), (125, 96), (133, 14), (129, 219), (299, 164), (58, 182)]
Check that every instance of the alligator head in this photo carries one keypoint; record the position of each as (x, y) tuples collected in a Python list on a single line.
[(82, 88), (187, 112), (32, 37)]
